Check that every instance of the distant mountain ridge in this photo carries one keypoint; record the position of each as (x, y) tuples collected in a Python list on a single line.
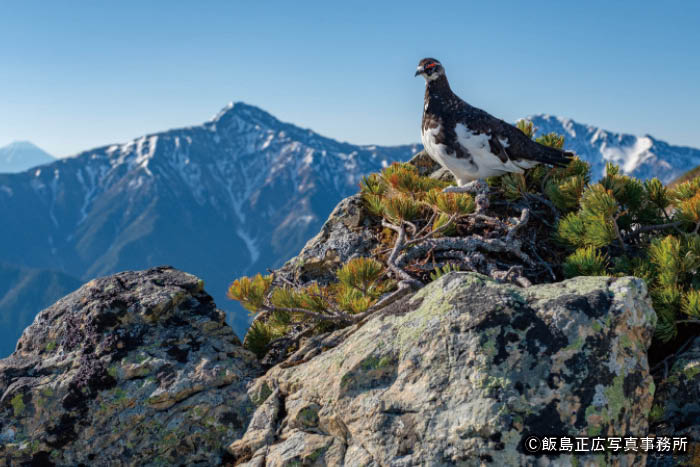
[(238, 194), (641, 156), (22, 155), (23, 293)]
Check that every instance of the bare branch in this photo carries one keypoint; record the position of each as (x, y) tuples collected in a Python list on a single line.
[(440, 229), (688, 321), (309, 313), (544, 263), (428, 224), (488, 219), (617, 230), (546, 202), (404, 288), (524, 217), (468, 244), (680, 350), (652, 228), (413, 227)]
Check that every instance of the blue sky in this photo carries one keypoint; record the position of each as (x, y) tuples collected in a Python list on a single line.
[(79, 74)]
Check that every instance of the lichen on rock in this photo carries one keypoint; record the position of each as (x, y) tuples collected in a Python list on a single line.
[(464, 374), (138, 368)]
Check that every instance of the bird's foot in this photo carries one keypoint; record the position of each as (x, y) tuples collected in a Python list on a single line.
[(477, 187)]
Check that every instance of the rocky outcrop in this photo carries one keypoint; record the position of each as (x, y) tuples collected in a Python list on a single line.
[(345, 234), (461, 374), (676, 409), (138, 368)]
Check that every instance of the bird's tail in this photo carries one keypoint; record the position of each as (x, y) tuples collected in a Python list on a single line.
[(554, 156)]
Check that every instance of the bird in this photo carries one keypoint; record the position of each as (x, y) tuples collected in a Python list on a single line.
[(471, 143)]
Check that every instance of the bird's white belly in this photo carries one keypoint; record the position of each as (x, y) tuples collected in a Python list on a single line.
[(482, 162), (462, 168)]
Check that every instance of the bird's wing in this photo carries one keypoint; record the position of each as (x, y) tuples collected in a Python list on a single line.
[(507, 141)]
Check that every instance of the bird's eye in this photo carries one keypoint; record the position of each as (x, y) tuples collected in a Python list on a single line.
[(430, 65)]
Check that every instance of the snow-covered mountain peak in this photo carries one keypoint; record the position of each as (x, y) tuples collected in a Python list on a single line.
[(243, 113), (237, 194), (642, 156)]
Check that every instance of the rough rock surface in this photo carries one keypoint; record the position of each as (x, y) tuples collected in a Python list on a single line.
[(676, 409), (132, 369), (462, 375), (345, 234), (342, 237)]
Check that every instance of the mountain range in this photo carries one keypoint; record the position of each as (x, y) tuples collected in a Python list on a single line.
[(236, 195), (22, 155), (643, 157)]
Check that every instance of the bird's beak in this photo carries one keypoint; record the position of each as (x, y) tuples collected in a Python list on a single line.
[(419, 70)]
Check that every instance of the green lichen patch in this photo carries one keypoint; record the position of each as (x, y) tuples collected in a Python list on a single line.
[(317, 454), (656, 413), (17, 403), (371, 372), (308, 417), (692, 370), (262, 395)]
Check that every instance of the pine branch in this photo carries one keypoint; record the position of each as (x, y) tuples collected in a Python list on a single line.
[(688, 321), (652, 228), (404, 288)]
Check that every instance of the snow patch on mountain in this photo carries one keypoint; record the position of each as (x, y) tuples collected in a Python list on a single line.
[(641, 156), (236, 195), (251, 244)]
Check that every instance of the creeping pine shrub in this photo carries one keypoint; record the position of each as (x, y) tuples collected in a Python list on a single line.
[(397, 195), (622, 226), (616, 226), (360, 283)]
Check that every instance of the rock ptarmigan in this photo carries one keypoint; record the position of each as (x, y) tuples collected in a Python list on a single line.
[(471, 143)]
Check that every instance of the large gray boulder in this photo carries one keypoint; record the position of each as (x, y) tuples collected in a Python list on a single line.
[(461, 374), (138, 368)]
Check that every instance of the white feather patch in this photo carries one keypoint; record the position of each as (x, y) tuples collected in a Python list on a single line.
[(462, 169), (485, 163), (490, 164)]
